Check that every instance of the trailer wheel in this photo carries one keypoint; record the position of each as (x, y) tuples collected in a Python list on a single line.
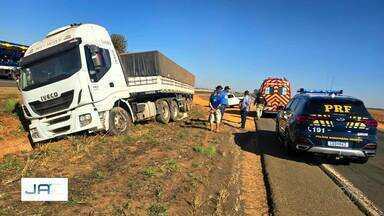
[(164, 114), (188, 105), (174, 110), (119, 121)]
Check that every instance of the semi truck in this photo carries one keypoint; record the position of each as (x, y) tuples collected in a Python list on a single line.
[(74, 80)]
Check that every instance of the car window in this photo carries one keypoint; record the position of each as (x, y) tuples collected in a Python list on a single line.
[(294, 104), (268, 90), (230, 96), (300, 104), (290, 103), (282, 90)]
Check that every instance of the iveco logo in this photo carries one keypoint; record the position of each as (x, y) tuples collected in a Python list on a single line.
[(49, 96)]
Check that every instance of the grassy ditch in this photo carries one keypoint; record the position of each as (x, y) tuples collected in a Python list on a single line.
[(175, 169)]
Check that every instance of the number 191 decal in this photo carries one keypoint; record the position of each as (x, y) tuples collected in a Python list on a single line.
[(316, 129)]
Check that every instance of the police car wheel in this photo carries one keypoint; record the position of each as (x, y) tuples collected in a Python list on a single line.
[(291, 150), (361, 160)]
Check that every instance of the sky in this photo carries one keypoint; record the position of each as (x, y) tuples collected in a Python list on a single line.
[(314, 44)]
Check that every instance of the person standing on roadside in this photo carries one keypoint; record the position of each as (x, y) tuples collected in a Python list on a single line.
[(215, 103), (225, 100), (260, 103), (244, 108)]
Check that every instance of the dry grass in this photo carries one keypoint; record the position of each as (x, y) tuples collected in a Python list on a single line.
[(154, 170), (378, 114), (13, 137)]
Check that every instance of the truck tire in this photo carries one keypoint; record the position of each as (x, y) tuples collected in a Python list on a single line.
[(174, 110), (164, 114), (119, 121), (189, 105)]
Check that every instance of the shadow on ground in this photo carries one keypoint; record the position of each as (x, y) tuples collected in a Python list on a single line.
[(237, 112), (264, 142), (196, 123)]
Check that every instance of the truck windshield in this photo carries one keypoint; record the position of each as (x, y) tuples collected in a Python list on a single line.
[(51, 69)]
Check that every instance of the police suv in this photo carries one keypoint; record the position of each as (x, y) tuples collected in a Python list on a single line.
[(329, 123)]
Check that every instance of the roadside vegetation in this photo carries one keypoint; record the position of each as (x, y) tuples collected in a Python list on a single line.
[(13, 134), (180, 168), (378, 114)]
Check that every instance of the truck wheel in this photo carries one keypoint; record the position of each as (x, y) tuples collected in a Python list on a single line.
[(119, 121), (174, 110), (188, 105), (164, 113)]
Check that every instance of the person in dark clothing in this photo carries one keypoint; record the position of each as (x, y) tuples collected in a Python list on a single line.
[(215, 103), (225, 100), (260, 103), (244, 108)]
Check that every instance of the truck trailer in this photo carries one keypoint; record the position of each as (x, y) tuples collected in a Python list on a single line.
[(74, 80)]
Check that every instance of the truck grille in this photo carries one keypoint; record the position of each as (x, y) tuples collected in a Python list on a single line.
[(54, 105)]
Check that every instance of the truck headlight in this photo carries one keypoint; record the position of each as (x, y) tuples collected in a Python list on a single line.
[(34, 133), (85, 119)]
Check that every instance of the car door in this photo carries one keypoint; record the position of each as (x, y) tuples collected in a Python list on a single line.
[(286, 114), (230, 100)]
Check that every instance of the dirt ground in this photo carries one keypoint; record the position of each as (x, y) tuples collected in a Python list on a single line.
[(378, 114), (252, 184), (176, 169), (13, 135)]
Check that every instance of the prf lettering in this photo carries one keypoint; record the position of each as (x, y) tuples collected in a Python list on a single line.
[(337, 108)]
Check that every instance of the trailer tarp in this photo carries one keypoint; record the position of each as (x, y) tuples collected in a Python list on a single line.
[(154, 63)]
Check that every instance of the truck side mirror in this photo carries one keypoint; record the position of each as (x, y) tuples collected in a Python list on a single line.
[(97, 58)]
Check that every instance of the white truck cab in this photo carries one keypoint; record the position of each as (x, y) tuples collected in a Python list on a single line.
[(73, 80)]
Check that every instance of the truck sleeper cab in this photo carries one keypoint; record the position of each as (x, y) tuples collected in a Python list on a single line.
[(325, 124), (73, 80)]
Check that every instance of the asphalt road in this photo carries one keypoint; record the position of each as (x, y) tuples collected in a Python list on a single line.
[(369, 177), (297, 185), (7, 83)]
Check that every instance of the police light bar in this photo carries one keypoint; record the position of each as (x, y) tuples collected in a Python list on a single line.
[(335, 92)]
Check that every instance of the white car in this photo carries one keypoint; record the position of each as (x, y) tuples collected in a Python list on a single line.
[(233, 100)]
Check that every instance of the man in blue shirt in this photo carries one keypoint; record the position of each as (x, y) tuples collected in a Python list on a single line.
[(215, 103), (225, 100), (244, 108)]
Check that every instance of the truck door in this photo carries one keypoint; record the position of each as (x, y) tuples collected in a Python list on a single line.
[(98, 64)]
